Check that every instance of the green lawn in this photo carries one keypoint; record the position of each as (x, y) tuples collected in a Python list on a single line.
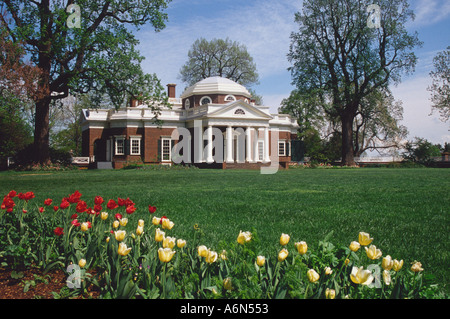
[(406, 211)]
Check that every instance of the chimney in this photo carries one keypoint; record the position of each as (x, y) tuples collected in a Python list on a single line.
[(171, 90)]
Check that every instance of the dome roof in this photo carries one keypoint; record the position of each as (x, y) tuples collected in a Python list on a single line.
[(216, 85)]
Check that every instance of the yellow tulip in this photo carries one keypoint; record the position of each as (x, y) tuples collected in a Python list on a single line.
[(104, 216), (123, 221), (82, 263), (169, 242), (397, 265), (328, 271), (123, 249), (223, 255), (260, 261), (141, 222), (107, 239), (116, 224), (302, 247), (387, 263), (312, 275), (227, 283), (181, 243), (165, 254), (202, 251), (156, 220), (139, 230), (159, 235), (346, 261), (330, 293), (84, 226), (244, 237), (364, 239), (282, 255), (372, 252), (211, 257), (361, 276), (120, 235), (354, 246), (167, 224), (416, 267), (387, 277), (284, 239)]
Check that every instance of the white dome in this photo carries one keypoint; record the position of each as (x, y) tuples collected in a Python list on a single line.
[(216, 85)]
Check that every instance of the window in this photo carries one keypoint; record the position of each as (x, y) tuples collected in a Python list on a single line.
[(120, 146), (166, 150), (239, 112), (281, 148), (230, 98), (187, 104), (205, 100), (261, 150), (135, 146)]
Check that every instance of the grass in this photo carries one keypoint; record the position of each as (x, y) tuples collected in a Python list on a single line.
[(406, 211)]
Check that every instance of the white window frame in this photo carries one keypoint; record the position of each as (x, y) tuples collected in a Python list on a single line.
[(187, 104), (205, 97), (233, 98), (282, 142), (164, 139), (116, 145), (133, 139), (261, 150)]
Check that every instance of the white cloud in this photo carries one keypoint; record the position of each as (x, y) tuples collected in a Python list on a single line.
[(430, 11)]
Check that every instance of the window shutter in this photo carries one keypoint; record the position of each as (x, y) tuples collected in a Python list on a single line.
[(159, 156), (126, 146), (287, 147)]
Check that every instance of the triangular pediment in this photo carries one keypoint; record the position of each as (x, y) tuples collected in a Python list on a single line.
[(240, 110)]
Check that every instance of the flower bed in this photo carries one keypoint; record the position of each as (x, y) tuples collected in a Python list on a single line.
[(103, 247)]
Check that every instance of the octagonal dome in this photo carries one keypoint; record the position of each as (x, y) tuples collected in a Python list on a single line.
[(216, 85)]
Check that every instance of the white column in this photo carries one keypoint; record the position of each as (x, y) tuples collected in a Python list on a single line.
[(209, 158), (198, 142), (266, 156), (248, 151), (230, 145), (255, 146)]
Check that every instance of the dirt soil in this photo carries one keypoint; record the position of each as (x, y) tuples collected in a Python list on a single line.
[(42, 287)]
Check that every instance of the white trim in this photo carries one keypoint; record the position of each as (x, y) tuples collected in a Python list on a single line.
[(205, 97), (116, 145), (230, 95), (138, 139), (164, 139)]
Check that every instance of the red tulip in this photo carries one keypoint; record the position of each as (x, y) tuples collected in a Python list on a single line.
[(48, 202), (12, 194), (58, 231), (64, 204), (151, 209), (98, 200), (130, 209), (112, 204), (41, 209)]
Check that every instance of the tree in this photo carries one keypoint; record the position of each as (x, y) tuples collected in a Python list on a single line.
[(420, 150), (339, 58), (440, 87), (84, 47), (218, 57)]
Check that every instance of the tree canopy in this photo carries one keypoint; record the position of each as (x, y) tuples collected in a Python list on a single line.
[(440, 87), (218, 57), (84, 47), (340, 57)]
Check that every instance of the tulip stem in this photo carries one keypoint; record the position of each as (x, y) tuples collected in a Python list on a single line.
[(306, 292), (164, 281)]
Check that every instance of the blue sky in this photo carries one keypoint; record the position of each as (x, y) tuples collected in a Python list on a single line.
[(264, 26)]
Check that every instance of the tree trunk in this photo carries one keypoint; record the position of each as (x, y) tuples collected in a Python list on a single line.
[(347, 140), (41, 132)]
